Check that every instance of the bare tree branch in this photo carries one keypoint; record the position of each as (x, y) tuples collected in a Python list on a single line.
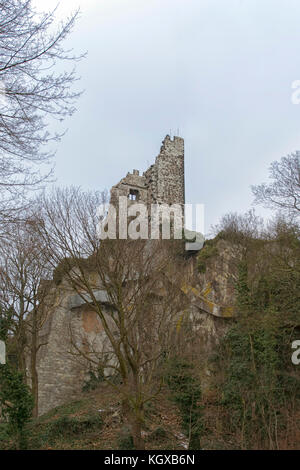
[(283, 192), (31, 49)]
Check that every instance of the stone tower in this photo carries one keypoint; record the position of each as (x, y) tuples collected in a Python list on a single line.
[(163, 182)]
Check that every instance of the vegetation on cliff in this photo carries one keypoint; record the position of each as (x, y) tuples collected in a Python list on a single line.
[(245, 395)]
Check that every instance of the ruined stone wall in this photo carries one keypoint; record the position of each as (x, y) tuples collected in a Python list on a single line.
[(62, 371), (132, 182), (163, 182), (165, 179), (56, 371)]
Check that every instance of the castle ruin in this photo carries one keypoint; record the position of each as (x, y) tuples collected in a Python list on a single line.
[(61, 375), (162, 183)]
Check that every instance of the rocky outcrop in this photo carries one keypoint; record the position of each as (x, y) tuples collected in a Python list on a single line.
[(72, 323)]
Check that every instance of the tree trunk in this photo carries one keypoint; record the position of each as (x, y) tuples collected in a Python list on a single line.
[(137, 418), (133, 419), (138, 441)]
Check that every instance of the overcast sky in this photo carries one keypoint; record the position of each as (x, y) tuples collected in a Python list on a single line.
[(219, 70)]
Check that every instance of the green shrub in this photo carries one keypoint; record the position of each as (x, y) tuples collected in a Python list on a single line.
[(186, 393), (16, 402), (66, 428), (258, 388), (69, 426), (208, 251), (158, 434), (95, 378), (125, 439), (4, 433)]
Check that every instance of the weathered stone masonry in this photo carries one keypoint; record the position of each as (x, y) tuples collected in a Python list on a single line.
[(163, 182)]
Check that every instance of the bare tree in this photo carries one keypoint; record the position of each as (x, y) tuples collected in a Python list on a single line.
[(139, 280), (239, 226), (32, 90), (23, 289), (283, 192)]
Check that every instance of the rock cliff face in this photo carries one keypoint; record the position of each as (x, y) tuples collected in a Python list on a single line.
[(71, 323), (217, 274)]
